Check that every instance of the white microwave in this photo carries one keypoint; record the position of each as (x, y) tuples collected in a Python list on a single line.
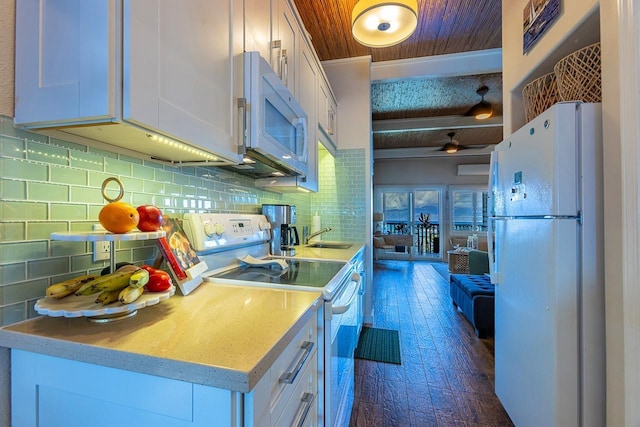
[(275, 136)]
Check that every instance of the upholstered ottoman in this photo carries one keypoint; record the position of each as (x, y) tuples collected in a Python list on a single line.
[(474, 294)]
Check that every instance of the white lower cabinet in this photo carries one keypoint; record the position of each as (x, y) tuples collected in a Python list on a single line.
[(282, 394), (49, 391)]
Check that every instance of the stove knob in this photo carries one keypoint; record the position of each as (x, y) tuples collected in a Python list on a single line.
[(219, 229), (266, 225), (209, 229)]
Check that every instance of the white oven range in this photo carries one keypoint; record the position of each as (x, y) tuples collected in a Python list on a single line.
[(221, 240)]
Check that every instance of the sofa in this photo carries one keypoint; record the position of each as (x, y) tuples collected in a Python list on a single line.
[(391, 242), (474, 294)]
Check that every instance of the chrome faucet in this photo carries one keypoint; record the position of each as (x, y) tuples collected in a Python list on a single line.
[(317, 233)]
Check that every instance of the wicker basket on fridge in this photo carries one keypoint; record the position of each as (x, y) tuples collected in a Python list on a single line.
[(539, 95), (579, 76)]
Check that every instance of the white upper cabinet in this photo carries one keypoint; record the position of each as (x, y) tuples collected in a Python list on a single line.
[(272, 28), (327, 111), (161, 71), (257, 27), (308, 98), (65, 62), (286, 41)]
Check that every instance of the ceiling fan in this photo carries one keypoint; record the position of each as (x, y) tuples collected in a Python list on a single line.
[(453, 146)]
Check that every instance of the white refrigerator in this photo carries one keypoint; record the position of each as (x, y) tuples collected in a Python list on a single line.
[(546, 263)]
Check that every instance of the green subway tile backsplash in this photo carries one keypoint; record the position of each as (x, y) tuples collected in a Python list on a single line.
[(23, 169), (42, 230), (10, 189), (68, 176), (12, 147), (47, 267), (86, 195), (90, 161), (20, 211), (62, 248), (23, 251), (12, 231), (75, 212), (153, 187), (10, 273), (22, 291), (39, 152), (117, 167), (47, 191), (36, 175)]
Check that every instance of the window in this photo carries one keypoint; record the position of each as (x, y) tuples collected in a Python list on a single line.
[(469, 210), (413, 211)]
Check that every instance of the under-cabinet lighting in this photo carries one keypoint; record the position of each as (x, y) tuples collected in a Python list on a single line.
[(182, 146)]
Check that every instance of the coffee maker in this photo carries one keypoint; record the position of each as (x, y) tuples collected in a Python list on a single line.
[(284, 235)]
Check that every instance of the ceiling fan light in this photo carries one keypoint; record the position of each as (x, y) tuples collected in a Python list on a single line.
[(451, 148), (379, 23), (482, 110)]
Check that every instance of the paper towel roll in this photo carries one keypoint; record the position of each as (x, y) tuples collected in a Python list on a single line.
[(316, 224)]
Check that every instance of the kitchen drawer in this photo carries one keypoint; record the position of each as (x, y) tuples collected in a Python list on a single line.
[(270, 397), (303, 404), (303, 345)]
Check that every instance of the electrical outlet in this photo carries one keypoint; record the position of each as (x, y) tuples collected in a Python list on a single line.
[(101, 250)]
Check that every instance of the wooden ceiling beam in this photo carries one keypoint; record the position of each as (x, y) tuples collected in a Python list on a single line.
[(433, 123), (422, 152), (455, 64)]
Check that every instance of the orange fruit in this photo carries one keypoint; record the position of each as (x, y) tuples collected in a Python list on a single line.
[(119, 217)]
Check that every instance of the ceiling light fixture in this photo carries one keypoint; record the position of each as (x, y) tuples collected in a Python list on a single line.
[(451, 146), (482, 110), (378, 23)]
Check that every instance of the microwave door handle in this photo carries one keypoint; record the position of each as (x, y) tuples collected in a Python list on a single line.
[(305, 140)]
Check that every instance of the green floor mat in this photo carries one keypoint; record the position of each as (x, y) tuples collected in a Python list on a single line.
[(379, 345)]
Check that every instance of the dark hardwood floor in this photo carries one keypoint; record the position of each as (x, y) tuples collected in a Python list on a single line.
[(446, 376)]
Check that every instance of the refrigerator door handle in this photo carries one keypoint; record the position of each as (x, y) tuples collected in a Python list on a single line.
[(491, 241)]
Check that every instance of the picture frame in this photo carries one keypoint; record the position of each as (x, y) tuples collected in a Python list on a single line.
[(537, 18)]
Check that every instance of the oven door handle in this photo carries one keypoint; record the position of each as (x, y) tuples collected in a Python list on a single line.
[(339, 309)]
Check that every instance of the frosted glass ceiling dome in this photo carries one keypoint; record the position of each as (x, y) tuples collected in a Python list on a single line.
[(376, 23)]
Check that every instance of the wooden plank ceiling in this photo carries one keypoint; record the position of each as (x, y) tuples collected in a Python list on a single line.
[(444, 27)]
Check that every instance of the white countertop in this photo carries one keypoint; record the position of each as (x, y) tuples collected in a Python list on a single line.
[(219, 335), (304, 251)]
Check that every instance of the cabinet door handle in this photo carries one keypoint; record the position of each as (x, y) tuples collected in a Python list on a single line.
[(290, 377), (285, 68), (277, 44), (242, 125), (305, 405)]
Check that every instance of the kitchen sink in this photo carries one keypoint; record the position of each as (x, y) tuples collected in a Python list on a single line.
[(330, 245)]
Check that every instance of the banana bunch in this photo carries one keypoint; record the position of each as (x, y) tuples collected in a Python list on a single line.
[(125, 285), (130, 290), (108, 282), (68, 287)]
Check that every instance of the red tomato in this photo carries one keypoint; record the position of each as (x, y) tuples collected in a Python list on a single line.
[(158, 282), (150, 218)]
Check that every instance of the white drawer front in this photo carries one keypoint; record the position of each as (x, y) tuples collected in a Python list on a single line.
[(302, 407), (303, 346)]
